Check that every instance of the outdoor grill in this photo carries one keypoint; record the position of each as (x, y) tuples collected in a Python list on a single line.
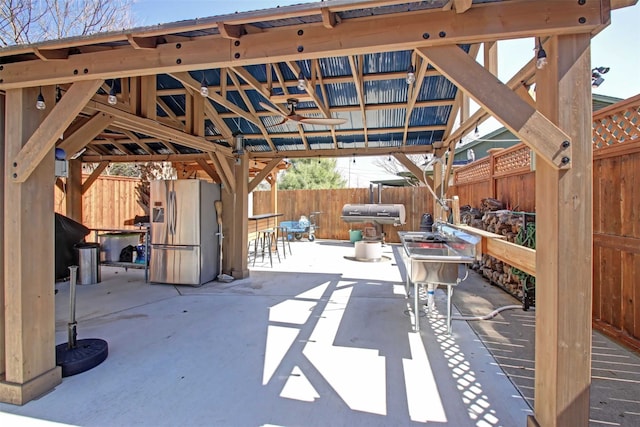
[(374, 213)]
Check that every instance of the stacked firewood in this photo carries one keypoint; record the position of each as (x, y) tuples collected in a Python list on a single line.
[(509, 224)]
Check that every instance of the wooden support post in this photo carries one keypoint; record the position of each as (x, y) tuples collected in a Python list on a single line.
[(228, 226), (274, 192), (492, 170), (564, 237), (73, 190), (239, 266), (438, 182), (28, 367)]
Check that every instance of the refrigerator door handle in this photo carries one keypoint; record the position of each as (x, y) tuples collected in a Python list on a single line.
[(175, 212), (173, 247)]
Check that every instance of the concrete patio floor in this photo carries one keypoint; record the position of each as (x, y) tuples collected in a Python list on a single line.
[(315, 340)]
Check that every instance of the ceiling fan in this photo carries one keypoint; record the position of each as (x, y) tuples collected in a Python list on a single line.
[(292, 102)]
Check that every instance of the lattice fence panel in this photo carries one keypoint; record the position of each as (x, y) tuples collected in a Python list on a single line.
[(611, 128), (476, 171), (514, 160)]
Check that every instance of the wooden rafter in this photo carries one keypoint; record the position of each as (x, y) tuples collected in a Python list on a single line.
[(118, 145), (178, 123), (136, 140), (341, 152), (329, 19), (356, 72), (460, 6), (142, 42), (412, 98), (152, 128), (249, 105), (187, 80)]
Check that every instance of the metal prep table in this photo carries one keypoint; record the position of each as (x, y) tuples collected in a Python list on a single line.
[(433, 258)]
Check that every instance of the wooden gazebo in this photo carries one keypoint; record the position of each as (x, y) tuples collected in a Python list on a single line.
[(184, 91)]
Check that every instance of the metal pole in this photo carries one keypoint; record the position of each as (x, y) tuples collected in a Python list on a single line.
[(72, 325)]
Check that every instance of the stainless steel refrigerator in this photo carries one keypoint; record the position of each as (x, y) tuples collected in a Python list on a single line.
[(184, 243)]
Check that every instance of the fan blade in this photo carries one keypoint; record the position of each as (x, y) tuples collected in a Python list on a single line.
[(319, 121), (284, 120), (271, 109)]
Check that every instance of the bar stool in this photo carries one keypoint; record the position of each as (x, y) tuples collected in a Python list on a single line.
[(268, 238), (283, 237)]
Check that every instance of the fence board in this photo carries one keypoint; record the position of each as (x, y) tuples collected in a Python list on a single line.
[(292, 204), (107, 204)]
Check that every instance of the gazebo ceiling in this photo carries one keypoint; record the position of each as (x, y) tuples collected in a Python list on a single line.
[(353, 58)]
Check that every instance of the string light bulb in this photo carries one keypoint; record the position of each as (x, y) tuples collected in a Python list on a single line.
[(40, 104), (112, 100), (541, 60), (301, 82), (204, 88), (411, 75), (476, 132)]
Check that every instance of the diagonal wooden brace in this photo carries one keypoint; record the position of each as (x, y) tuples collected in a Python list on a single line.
[(548, 141)]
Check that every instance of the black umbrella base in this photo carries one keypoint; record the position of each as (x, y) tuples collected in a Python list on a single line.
[(87, 354)]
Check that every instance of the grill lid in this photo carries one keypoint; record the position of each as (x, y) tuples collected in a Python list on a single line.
[(377, 213)]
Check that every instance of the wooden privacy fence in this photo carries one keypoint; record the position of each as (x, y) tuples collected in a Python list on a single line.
[(616, 220), (505, 175), (107, 203), (294, 203)]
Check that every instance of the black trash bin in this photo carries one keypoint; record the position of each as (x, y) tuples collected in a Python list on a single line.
[(426, 223), (89, 263)]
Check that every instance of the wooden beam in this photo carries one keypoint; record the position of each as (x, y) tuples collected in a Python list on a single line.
[(239, 234), (414, 169), (413, 92), (522, 77), (187, 80), (564, 236), (92, 158), (341, 152), (142, 42), (329, 19), (263, 174), (81, 137), (51, 55), (481, 23), (233, 32), (525, 122), (153, 128), (490, 62), (209, 170), (356, 72), (515, 255), (148, 97), (49, 131), (224, 170), (252, 110), (94, 176)]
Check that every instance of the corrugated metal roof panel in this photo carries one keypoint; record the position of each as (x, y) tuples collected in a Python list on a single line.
[(424, 138), (385, 91), (335, 66), (437, 87), (387, 118), (341, 94), (399, 8), (288, 144), (430, 116), (387, 62), (289, 21)]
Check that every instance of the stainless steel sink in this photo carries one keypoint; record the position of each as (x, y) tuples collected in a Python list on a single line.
[(433, 258)]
